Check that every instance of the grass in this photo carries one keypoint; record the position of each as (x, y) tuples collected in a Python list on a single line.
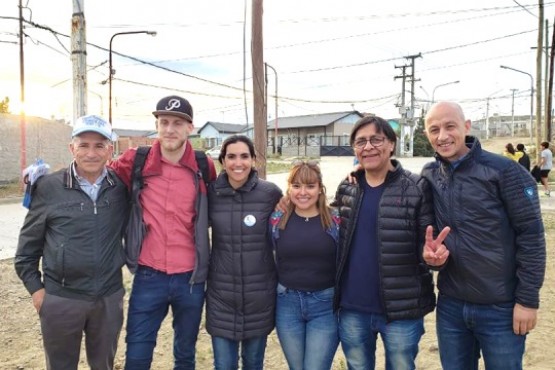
[(277, 167), (10, 189)]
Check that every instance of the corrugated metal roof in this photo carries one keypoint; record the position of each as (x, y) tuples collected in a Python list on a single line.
[(132, 133), (229, 128), (313, 120)]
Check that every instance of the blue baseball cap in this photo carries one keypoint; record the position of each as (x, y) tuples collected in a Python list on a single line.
[(92, 123)]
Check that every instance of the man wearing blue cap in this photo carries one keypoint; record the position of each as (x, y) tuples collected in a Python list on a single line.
[(75, 227), (172, 260)]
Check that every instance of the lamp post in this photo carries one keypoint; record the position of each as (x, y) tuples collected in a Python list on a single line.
[(276, 96), (111, 73), (531, 95), (445, 84)]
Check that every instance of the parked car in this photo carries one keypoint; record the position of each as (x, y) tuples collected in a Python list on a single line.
[(214, 153)]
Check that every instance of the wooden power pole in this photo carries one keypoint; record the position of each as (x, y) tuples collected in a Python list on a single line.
[(549, 117), (258, 81), (79, 59), (22, 124), (539, 54)]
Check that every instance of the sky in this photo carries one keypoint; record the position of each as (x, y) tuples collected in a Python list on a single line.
[(329, 55)]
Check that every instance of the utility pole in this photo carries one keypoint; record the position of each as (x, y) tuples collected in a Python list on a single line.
[(79, 59), (539, 79), (260, 117), (276, 102), (545, 50), (487, 117), (549, 93), (402, 110), (22, 124), (513, 113), (411, 115)]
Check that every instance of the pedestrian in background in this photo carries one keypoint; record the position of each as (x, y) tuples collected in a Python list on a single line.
[(524, 159), (241, 292), (306, 242), (74, 230), (546, 164), (511, 153)]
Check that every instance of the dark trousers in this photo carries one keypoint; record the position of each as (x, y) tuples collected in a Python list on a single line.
[(63, 322)]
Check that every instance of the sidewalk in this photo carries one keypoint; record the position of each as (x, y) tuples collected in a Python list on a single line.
[(547, 203)]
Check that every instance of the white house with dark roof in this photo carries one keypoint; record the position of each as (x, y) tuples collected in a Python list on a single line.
[(313, 135), (215, 133)]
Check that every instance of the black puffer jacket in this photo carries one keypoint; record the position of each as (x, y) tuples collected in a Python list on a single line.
[(496, 243), (406, 210), (240, 299)]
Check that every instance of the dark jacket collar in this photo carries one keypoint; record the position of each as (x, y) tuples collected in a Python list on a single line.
[(391, 175), (70, 177), (475, 147)]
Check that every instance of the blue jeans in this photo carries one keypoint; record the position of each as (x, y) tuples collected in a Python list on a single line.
[(463, 329), (306, 327), (152, 294), (358, 332), (226, 353)]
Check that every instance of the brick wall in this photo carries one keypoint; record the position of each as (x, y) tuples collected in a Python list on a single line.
[(125, 143), (46, 139)]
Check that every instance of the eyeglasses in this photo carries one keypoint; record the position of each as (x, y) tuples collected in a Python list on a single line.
[(300, 162), (375, 141)]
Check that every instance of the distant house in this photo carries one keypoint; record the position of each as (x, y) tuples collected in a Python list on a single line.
[(501, 125), (131, 139), (312, 135), (214, 133)]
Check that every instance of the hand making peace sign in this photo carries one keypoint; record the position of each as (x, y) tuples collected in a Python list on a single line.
[(435, 252)]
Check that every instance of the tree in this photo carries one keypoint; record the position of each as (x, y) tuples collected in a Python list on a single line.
[(421, 145), (5, 105)]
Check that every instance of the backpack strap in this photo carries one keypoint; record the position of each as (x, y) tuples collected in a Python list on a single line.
[(202, 163), (137, 182)]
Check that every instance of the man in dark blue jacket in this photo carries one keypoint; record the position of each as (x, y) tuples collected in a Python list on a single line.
[(489, 281)]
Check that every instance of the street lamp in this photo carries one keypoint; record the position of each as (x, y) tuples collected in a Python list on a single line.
[(111, 73), (445, 84), (276, 96), (531, 95)]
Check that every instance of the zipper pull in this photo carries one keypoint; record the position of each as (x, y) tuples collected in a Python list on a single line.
[(95, 208)]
